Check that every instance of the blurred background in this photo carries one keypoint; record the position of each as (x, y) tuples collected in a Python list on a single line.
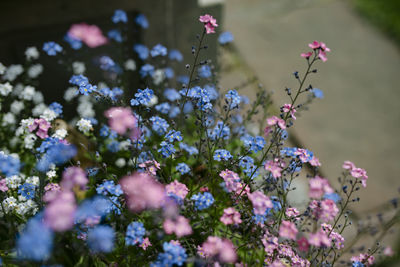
[(359, 117)]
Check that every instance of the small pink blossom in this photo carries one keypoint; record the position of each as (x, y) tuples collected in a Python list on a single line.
[(230, 216), (274, 168), (322, 49), (146, 243), (204, 189), (318, 187), (142, 192), (232, 182), (210, 23), (288, 230), (121, 120), (329, 210), (388, 251), (180, 226), (314, 162), (91, 35), (151, 166), (3, 185), (364, 258), (60, 212), (42, 127), (289, 108), (306, 55), (360, 173), (319, 239), (303, 244), (74, 176), (260, 202), (274, 120), (292, 212), (348, 165), (270, 243), (51, 192), (177, 189), (314, 45), (222, 249), (322, 56)]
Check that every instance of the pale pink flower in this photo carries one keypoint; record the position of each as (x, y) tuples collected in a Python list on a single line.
[(3, 185), (314, 162), (348, 165), (274, 120), (306, 55), (329, 210), (204, 189), (270, 244), (180, 226), (151, 166), (322, 56), (364, 258), (222, 249), (314, 45), (51, 193), (146, 243), (318, 187), (177, 189), (91, 35), (232, 182), (322, 49), (360, 173), (42, 127), (388, 251), (334, 236), (74, 176), (289, 108), (319, 239), (260, 202), (210, 23), (230, 216), (288, 230), (142, 192), (60, 212), (277, 263), (121, 120), (274, 168), (292, 212)]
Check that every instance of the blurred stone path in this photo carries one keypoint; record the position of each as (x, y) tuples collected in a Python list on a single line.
[(359, 118)]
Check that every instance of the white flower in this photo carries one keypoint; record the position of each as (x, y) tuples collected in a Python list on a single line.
[(60, 133), (51, 174), (9, 204), (121, 162), (84, 126), (20, 131), (5, 88), (35, 70), (16, 107), (2, 69), (78, 67), (32, 180), (124, 145), (22, 208), (70, 93), (153, 101), (85, 109), (12, 72), (31, 53), (158, 76), (27, 93), (130, 64), (29, 141), (39, 109), (32, 206), (13, 181), (8, 119), (49, 115), (38, 97)]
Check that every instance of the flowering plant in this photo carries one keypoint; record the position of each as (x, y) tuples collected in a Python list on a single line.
[(159, 176)]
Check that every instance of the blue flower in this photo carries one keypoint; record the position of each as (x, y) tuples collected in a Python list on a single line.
[(204, 71), (172, 255), (57, 154), (109, 187), (234, 98), (141, 20), (115, 35), (85, 87), (27, 190), (144, 96), (36, 240), (98, 206), (159, 50), (284, 134), (254, 144), (225, 38), (202, 201), (166, 149), (134, 233), (163, 108), (52, 48), (220, 131), (175, 55), (146, 70), (175, 111), (222, 154), (169, 73), (56, 107), (141, 50), (159, 125), (119, 16), (318, 93), (113, 146), (333, 196), (183, 168), (357, 264), (183, 79), (212, 92), (189, 149), (106, 63), (73, 42), (171, 94), (173, 135), (101, 238), (247, 163)]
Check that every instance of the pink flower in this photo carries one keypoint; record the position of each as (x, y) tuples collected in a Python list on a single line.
[(314, 45), (74, 176), (180, 227), (318, 187), (329, 210), (360, 173), (322, 49), (146, 243), (288, 230), (388, 251), (303, 244), (364, 258), (334, 236), (142, 192), (222, 249), (274, 168), (151, 166), (348, 165), (209, 23), (260, 202), (306, 55), (42, 125), (232, 182), (292, 212), (319, 239), (270, 243), (3, 185), (60, 212), (289, 108), (177, 189), (52, 191), (91, 35), (230, 216), (274, 120), (314, 162), (121, 120)]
